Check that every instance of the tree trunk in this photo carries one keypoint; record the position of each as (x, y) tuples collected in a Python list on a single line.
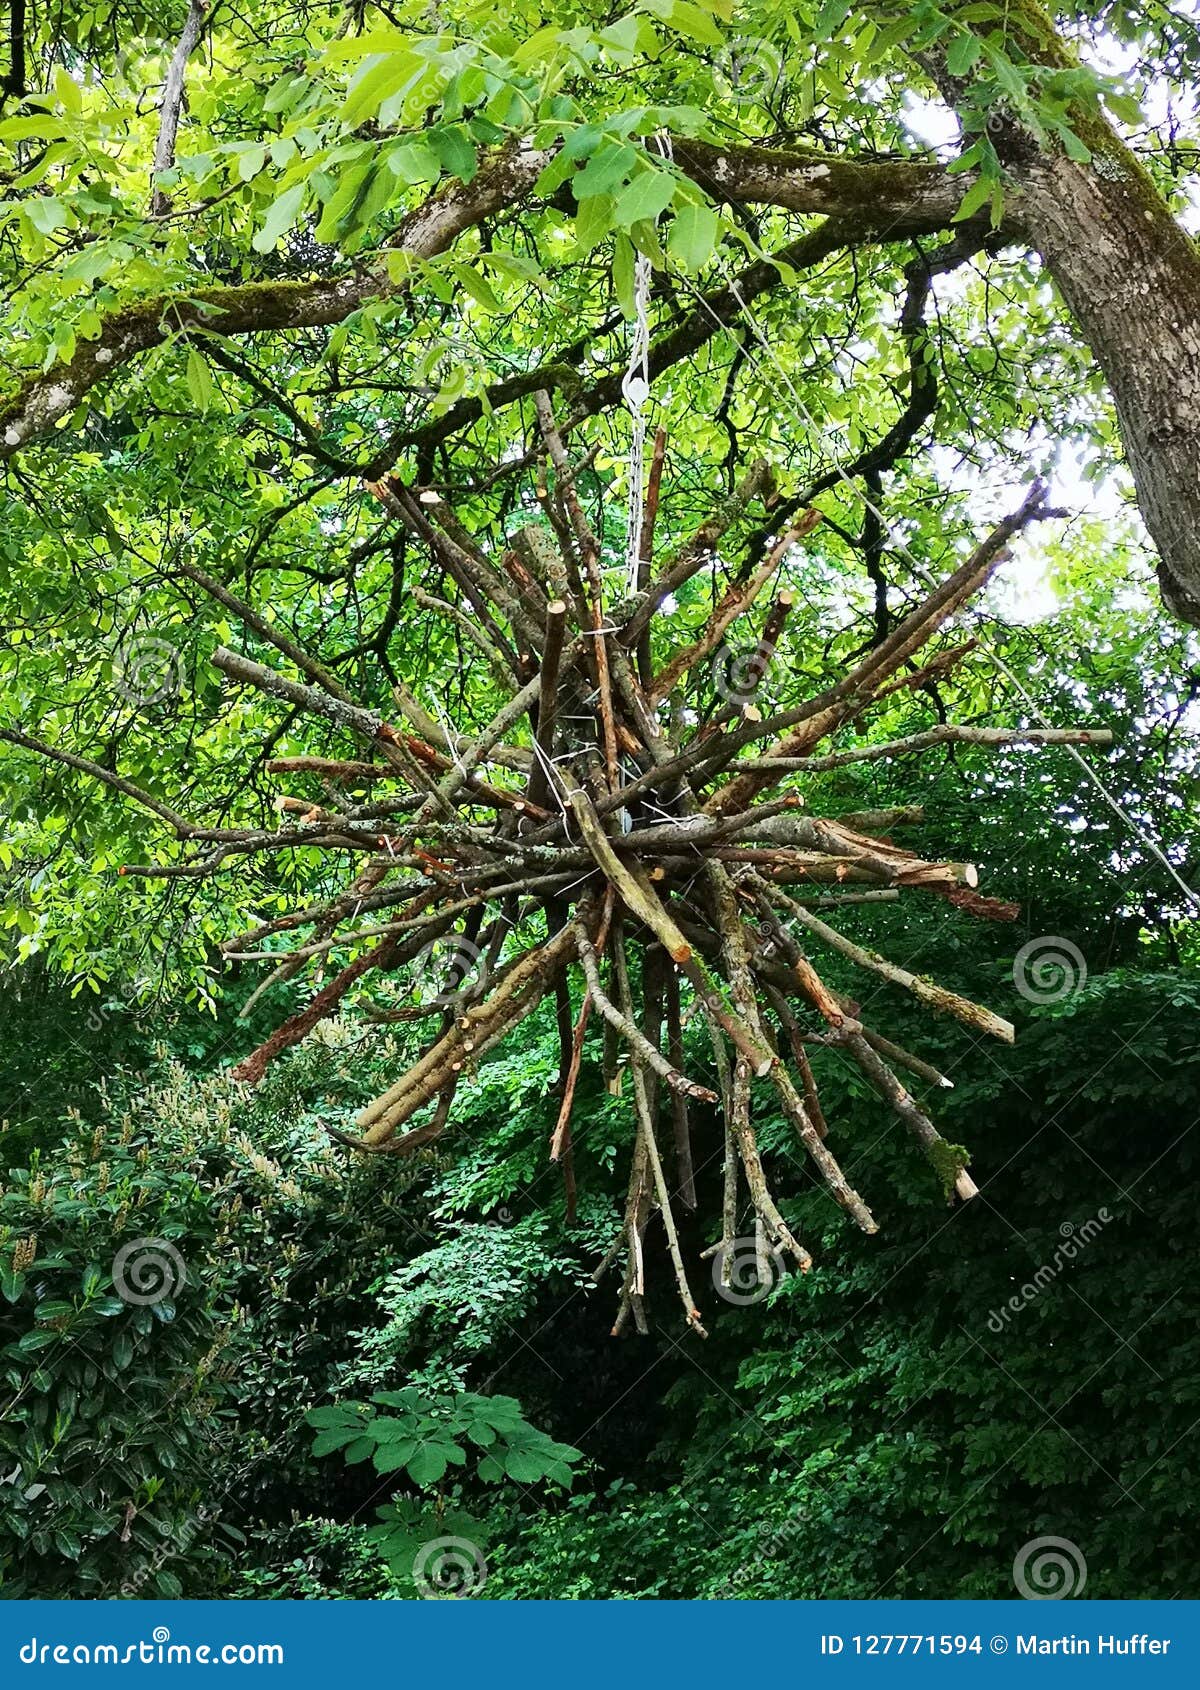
[(1131, 278)]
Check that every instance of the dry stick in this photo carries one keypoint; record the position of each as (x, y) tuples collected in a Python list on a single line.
[(936, 667), (848, 1034), (516, 757), (680, 1125), (818, 718), (762, 1254), (407, 1142), (885, 895), (754, 1055), (905, 1058), (736, 601), (735, 945), (741, 703), (646, 1132), (562, 1016), (589, 548), (655, 967), (914, 1118), (268, 631), (629, 1031), (656, 917), (470, 628), (523, 983), (638, 614), (538, 791), (764, 1204), (637, 895), (172, 103), (646, 545), (399, 503), (925, 991), (561, 1132), (789, 1024), (944, 734), (252, 1068)]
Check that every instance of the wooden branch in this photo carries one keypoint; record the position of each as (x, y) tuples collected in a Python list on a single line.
[(737, 600), (172, 104), (937, 997), (633, 1036)]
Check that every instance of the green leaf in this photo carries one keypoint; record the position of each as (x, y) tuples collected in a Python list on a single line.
[(45, 214), (963, 52), (279, 219), (36, 1340), (335, 1414), (975, 198), (830, 19), (335, 1438), (390, 1457), (409, 1397), (70, 95), (199, 380), (686, 19), (623, 259), (524, 1466), (477, 286), (413, 162), (608, 167), (693, 236), (455, 149), (428, 1465), (648, 195), (1073, 147), (593, 220)]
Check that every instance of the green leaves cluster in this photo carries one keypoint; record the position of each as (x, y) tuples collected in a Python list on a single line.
[(435, 1432)]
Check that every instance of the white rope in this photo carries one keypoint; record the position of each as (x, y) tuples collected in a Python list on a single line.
[(636, 389)]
